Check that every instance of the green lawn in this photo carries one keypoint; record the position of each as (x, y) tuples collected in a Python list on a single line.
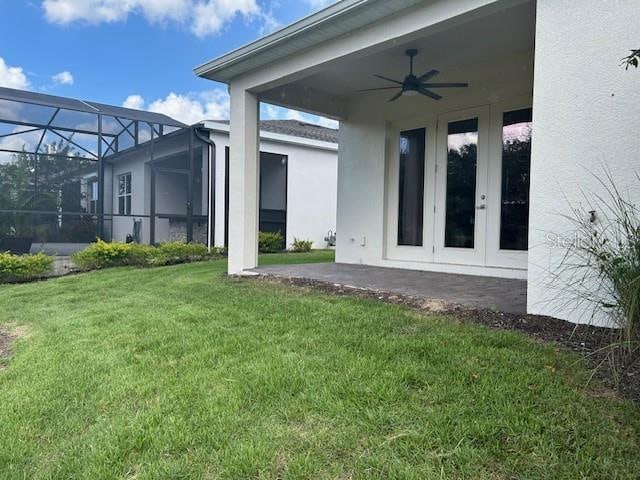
[(181, 373)]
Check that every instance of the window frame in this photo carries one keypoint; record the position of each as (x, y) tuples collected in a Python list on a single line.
[(393, 130), (92, 202), (421, 186), (125, 209), (496, 257)]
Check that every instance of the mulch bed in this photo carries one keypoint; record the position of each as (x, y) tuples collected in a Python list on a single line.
[(586, 340)]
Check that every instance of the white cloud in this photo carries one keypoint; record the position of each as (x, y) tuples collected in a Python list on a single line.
[(189, 108), (318, 4), (27, 140), (214, 105), (12, 77), (134, 101), (210, 16), (63, 78), (202, 17)]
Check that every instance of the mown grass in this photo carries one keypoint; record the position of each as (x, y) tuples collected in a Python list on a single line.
[(180, 372)]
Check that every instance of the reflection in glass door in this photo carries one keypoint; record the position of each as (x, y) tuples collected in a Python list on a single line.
[(461, 185), (462, 166), (516, 165)]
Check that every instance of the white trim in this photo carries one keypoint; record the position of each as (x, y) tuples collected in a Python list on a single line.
[(276, 137), (214, 69), (393, 251), (496, 256), (477, 254)]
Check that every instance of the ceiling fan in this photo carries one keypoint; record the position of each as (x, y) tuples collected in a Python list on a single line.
[(413, 85)]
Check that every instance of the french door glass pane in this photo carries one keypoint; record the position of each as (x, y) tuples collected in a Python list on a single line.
[(462, 160), (411, 187), (516, 163)]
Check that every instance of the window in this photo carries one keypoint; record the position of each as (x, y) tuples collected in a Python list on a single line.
[(516, 164), (411, 187), (93, 197), (462, 165), (124, 194)]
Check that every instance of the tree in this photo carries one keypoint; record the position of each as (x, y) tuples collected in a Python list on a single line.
[(39, 182), (632, 59)]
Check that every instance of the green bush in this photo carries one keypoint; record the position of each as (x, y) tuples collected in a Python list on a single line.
[(300, 246), (270, 242), (106, 255), (24, 267), (178, 252), (103, 255)]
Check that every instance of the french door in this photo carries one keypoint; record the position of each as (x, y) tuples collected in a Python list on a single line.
[(458, 187), (461, 187)]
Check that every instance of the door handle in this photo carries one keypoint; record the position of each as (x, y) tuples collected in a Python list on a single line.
[(481, 207)]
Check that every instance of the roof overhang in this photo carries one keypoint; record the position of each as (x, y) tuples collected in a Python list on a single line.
[(334, 21), (224, 129)]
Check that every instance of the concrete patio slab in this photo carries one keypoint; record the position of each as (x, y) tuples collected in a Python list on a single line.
[(505, 295)]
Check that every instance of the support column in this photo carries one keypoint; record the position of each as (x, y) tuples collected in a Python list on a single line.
[(244, 168)]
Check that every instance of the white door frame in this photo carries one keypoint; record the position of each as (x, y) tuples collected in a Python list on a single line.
[(454, 255), (495, 256), (487, 250), (394, 251)]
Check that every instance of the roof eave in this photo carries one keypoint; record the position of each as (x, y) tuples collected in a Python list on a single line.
[(213, 69)]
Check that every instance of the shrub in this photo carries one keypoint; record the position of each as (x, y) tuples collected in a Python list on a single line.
[(24, 267), (177, 252), (106, 255), (300, 246), (603, 268), (270, 242)]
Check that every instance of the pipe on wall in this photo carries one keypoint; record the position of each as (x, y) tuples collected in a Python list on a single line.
[(211, 197)]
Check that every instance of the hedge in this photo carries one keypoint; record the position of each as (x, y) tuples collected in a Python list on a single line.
[(102, 254), (17, 268)]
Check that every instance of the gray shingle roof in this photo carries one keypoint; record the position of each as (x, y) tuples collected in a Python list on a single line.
[(297, 128)]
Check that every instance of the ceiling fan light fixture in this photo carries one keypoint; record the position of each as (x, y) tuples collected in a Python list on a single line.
[(413, 85)]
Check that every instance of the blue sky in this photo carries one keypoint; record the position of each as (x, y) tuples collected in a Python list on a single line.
[(138, 53)]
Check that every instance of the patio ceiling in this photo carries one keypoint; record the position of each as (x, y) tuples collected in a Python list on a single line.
[(459, 51)]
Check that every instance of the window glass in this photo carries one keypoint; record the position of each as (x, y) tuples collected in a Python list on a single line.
[(516, 164), (124, 194), (411, 187), (462, 159)]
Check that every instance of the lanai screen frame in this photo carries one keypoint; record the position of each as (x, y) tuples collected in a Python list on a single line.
[(137, 127)]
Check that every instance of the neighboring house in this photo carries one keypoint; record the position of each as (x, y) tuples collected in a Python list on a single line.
[(73, 170), (466, 180), (298, 175), (298, 178)]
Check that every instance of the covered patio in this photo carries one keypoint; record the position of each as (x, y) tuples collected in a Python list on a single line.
[(464, 132), (509, 296)]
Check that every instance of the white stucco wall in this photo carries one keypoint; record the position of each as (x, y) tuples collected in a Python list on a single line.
[(140, 185), (586, 115), (365, 137), (311, 187)]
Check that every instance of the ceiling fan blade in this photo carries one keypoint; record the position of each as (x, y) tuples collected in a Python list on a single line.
[(444, 85), (389, 79), (426, 92), (374, 89), (397, 96), (428, 75)]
